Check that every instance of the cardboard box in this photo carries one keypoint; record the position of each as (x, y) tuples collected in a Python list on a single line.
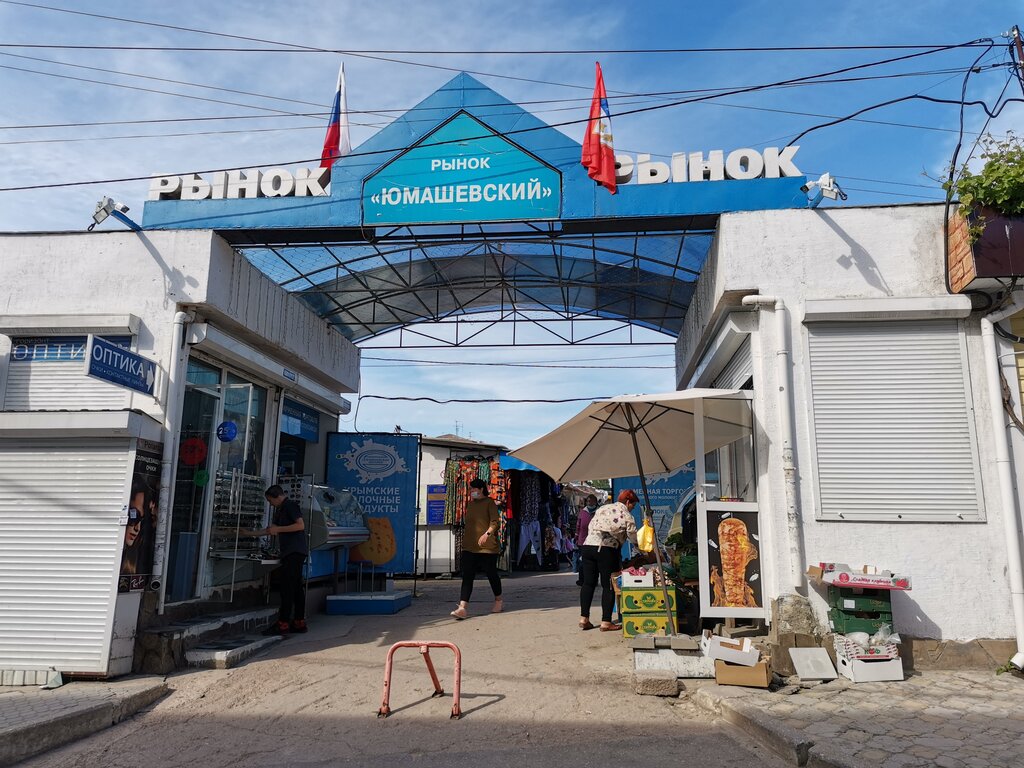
[(733, 651), (627, 580), (842, 575), (851, 650), (646, 600), (634, 624), (757, 676), (869, 671)]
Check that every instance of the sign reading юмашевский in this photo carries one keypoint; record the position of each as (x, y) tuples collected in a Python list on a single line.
[(462, 172)]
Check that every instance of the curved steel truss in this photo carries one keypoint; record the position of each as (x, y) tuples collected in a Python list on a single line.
[(577, 287)]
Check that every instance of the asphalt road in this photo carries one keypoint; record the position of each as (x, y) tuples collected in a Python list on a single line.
[(535, 692)]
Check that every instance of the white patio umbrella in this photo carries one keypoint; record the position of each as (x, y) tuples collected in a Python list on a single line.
[(641, 435)]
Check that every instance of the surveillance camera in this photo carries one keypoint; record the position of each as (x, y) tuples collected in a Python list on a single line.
[(1018, 660), (121, 207), (806, 186)]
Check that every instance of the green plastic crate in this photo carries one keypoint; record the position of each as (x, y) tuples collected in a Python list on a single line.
[(861, 621), (851, 599)]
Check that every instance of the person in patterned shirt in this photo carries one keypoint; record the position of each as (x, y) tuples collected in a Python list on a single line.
[(601, 556)]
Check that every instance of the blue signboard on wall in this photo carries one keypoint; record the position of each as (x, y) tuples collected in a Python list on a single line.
[(381, 470), (463, 171), (300, 420), (111, 362), (665, 492), (436, 497)]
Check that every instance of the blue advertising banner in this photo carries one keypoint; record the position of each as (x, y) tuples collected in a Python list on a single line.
[(381, 470), (110, 362), (665, 492), (300, 420), (463, 171)]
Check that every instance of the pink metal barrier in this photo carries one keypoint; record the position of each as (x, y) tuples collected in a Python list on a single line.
[(424, 646)]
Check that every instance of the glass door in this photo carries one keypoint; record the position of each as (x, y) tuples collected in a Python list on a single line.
[(196, 456), (238, 503)]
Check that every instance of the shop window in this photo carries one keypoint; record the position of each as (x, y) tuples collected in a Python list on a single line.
[(245, 404), (203, 375), (730, 472)]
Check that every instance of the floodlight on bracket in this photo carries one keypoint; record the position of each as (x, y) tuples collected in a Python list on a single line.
[(825, 186), (108, 207)]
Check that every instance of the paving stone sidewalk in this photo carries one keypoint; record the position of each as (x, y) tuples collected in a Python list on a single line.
[(947, 719), (33, 720)]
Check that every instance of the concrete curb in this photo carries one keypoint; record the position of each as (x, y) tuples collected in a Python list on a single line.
[(788, 743), (32, 739)]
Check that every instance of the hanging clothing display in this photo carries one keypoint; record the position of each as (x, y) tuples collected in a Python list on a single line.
[(529, 533), (529, 498)]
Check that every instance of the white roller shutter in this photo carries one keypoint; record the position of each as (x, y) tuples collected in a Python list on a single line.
[(892, 426), (47, 373), (738, 370), (60, 550), (59, 387)]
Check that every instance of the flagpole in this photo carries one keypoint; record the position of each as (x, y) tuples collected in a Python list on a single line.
[(627, 409)]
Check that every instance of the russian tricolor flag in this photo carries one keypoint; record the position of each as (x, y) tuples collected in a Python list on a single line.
[(337, 142)]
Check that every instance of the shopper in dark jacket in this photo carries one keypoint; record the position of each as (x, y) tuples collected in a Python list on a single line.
[(289, 527)]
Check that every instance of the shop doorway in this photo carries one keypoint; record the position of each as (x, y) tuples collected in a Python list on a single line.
[(219, 484), (199, 418)]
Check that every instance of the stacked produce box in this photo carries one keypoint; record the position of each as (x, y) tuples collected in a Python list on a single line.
[(643, 610)]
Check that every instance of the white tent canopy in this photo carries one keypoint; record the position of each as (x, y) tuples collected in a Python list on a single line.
[(598, 441)]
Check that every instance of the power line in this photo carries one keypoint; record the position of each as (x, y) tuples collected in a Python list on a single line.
[(426, 52), (384, 112), (399, 364), (574, 360), (164, 80), (360, 54), (639, 110), (480, 400), (893, 194), (919, 96), (79, 139)]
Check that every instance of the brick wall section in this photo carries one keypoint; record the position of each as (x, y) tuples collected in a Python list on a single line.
[(961, 258)]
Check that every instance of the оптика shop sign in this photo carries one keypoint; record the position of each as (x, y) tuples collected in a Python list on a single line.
[(462, 172)]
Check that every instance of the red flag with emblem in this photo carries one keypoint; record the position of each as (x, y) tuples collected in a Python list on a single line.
[(598, 152)]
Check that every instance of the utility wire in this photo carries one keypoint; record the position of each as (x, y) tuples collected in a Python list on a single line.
[(984, 128), (425, 52), (296, 46), (639, 110), (512, 365), (918, 96), (576, 103), (480, 400), (382, 112)]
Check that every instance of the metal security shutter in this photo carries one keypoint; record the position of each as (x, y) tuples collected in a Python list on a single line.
[(738, 370), (60, 550), (892, 427), (50, 386)]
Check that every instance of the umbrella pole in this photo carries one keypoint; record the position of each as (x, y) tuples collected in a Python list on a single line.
[(649, 517)]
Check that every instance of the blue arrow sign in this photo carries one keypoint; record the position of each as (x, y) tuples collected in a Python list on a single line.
[(112, 363)]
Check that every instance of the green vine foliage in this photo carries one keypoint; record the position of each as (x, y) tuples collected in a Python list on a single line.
[(999, 185)]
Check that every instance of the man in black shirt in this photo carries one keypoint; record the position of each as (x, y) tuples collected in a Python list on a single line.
[(289, 527)]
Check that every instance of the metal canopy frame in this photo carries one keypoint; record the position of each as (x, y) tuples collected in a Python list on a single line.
[(452, 285)]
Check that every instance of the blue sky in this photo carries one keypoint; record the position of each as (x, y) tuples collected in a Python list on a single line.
[(876, 163)]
